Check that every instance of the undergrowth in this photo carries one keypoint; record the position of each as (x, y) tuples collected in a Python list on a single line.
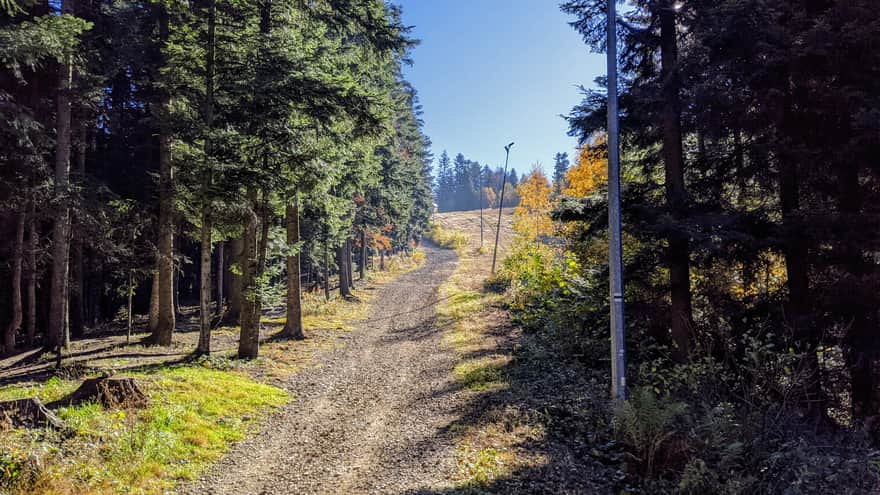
[(708, 426)]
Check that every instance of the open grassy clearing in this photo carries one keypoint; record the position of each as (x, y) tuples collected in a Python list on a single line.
[(197, 407)]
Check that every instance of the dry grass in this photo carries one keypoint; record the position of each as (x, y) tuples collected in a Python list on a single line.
[(480, 330)]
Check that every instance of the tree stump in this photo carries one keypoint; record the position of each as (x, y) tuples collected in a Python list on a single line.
[(28, 413), (111, 392)]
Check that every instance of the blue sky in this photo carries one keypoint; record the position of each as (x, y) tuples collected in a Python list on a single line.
[(493, 71)]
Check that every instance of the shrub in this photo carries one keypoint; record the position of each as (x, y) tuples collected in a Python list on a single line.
[(446, 238), (646, 424)]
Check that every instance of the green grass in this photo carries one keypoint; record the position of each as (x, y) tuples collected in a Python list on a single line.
[(482, 374), (478, 467), (194, 414)]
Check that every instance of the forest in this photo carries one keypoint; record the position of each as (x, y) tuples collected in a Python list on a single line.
[(231, 262), (464, 184), (750, 137), (199, 153)]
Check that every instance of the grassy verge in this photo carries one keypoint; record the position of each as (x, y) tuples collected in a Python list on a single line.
[(194, 413), (487, 449), (529, 420), (196, 409)]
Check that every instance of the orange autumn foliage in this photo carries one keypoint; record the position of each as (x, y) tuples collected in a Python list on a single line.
[(532, 216), (590, 170)]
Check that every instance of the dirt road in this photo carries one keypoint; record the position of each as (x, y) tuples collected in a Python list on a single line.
[(370, 417)]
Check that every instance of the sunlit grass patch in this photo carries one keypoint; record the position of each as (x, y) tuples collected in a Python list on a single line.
[(451, 239), (485, 373), (194, 414), (480, 466)]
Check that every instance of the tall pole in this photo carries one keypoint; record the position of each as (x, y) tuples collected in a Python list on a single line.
[(501, 204), (615, 261)]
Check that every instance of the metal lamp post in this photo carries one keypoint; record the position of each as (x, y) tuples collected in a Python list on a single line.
[(615, 256), (501, 204)]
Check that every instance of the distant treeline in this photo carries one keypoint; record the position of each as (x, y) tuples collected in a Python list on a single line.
[(460, 182)]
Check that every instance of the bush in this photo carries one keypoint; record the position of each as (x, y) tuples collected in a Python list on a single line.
[(646, 424), (445, 238)]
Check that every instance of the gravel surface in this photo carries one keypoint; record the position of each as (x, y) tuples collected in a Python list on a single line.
[(370, 416)]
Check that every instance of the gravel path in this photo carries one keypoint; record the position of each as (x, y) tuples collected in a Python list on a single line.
[(371, 417)]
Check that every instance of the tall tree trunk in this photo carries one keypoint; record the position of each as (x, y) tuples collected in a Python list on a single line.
[(165, 327), (61, 227), (31, 277), (77, 318), (326, 273), (678, 252), (17, 258), (204, 345), (862, 349), (235, 285), (293, 328), (348, 263), (178, 272), (221, 267), (797, 270), (342, 259), (363, 264), (76, 243), (249, 341), (130, 296), (154, 301)]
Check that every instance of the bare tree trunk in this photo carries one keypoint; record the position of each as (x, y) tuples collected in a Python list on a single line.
[(862, 348), (326, 273), (76, 245), (154, 302), (166, 323), (17, 257), (249, 341), (178, 272), (221, 264), (348, 263), (342, 259), (797, 270), (293, 328), (382, 260), (31, 254), (363, 264), (204, 345), (678, 252), (130, 297), (61, 227)]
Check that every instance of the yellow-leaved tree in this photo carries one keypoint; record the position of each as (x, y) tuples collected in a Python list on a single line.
[(531, 217), (590, 170)]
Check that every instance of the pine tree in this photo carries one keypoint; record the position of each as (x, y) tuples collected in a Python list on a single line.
[(560, 169)]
